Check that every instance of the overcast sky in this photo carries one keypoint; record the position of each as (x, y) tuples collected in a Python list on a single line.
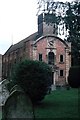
[(17, 21)]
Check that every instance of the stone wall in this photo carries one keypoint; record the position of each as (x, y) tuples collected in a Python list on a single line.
[(68, 63)]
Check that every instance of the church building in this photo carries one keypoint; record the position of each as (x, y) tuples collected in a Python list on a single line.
[(44, 45)]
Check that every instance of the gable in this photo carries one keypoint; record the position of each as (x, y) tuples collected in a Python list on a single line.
[(51, 39)]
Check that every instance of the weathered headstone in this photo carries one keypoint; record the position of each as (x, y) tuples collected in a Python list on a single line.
[(18, 105), (4, 93)]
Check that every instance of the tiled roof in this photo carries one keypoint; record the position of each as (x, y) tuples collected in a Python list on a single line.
[(21, 43)]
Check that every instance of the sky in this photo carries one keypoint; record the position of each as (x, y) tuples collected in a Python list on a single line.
[(18, 20)]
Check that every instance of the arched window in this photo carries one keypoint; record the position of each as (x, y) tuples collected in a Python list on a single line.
[(51, 58)]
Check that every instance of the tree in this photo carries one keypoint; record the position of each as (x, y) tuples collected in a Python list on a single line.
[(55, 11), (34, 77), (68, 15), (74, 77), (72, 20)]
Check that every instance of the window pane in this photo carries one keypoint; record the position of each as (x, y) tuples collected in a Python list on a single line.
[(61, 58), (40, 57), (61, 72), (51, 58)]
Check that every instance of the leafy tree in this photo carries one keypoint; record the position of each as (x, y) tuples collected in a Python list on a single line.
[(55, 11), (67, 14), (74, 77), (72, 20), (34, 77)]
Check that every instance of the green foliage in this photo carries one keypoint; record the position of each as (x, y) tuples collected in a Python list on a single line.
[(50, 18), (34, 77), (67, 13), (72, 21), (74, 77)]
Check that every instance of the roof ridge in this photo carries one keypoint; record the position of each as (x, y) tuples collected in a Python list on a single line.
[(20, 43)]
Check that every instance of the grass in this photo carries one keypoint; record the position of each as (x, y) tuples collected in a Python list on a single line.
[(62, 104), (59, 104)]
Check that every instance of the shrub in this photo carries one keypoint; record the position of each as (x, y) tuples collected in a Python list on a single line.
[(74, 77), (34, 77)]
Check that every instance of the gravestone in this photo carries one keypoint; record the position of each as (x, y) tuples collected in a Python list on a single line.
[(18, 105), (4, 93)]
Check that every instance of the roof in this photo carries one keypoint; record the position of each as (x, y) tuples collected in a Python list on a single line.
[(34, 38), (21, 43)]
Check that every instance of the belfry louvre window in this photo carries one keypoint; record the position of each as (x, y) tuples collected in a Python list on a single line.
[(40, 57)]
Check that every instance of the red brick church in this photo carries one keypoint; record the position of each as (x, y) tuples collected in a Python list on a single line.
[(43, 45)]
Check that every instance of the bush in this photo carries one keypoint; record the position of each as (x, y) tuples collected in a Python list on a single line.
[(74, 77), (34, 77)]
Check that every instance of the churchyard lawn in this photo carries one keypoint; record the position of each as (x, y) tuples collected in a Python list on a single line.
[(59, 104)]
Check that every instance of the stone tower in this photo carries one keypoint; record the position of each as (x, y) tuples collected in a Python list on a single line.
[(45, 28)]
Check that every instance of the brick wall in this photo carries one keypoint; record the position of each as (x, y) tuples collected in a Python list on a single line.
[(42, 46)]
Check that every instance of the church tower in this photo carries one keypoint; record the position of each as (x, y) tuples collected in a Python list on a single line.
[(44, 28)]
